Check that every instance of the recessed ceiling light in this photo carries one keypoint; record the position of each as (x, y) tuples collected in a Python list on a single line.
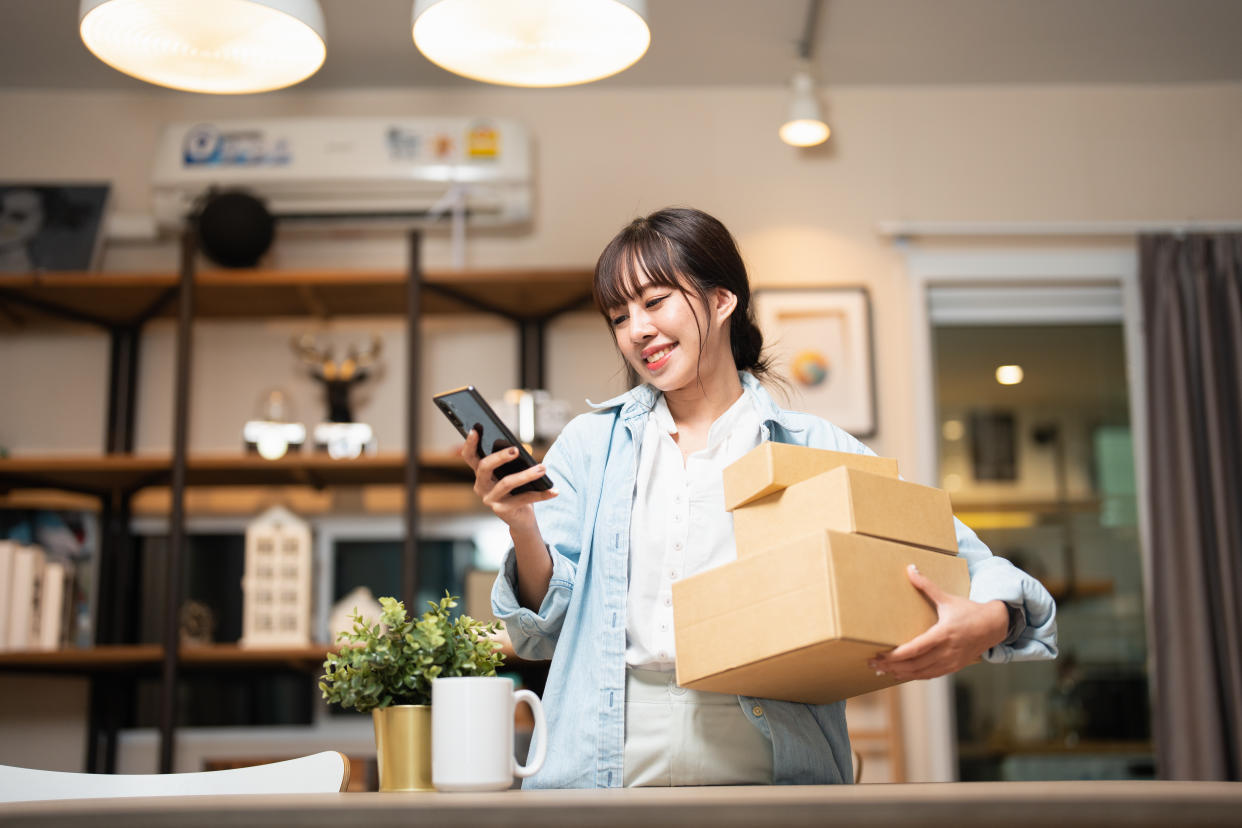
[(1009, 374), (953, 430)]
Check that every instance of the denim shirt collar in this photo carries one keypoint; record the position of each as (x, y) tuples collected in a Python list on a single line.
[(640, 400)]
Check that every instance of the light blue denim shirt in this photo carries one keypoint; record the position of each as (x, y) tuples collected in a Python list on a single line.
[(580, 625)]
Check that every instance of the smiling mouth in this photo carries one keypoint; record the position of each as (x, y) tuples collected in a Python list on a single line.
[(660, 355)]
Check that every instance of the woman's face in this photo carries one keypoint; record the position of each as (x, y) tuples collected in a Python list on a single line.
[(670, 338)]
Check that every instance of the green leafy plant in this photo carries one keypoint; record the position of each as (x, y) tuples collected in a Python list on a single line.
[(395, 661)]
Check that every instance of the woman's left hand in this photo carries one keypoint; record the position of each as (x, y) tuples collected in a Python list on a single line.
[(964, 630)]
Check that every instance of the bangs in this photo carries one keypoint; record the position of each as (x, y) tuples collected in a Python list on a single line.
[(638, 258)]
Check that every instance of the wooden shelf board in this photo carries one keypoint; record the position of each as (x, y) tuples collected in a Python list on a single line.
[(132, 472), (1083, 587), (118, 298), (1039, 507), (979, 750), (137, 657)]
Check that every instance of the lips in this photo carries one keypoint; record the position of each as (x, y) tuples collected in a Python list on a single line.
[(657, 358)]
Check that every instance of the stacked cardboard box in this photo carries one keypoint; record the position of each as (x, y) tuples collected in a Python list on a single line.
[(820, 584)]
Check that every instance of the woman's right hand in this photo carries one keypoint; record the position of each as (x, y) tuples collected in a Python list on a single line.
[(497, 492)]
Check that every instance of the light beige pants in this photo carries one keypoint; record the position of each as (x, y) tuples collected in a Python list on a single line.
[(677, 736)]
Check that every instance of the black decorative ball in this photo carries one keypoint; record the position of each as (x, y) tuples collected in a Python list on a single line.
[(235, 229)]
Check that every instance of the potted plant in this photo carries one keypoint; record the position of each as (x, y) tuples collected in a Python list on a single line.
[(387, 669)]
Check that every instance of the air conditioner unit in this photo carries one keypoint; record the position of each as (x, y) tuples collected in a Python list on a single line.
[(396, 169)]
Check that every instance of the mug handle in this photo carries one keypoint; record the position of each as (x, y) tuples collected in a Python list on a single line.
[(539, 738)]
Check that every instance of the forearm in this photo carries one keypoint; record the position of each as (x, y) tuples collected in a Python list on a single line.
[(534, 565)]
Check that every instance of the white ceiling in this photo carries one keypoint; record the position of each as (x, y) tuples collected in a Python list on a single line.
[(744, 42)]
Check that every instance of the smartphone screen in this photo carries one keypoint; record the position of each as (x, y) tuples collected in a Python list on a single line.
[(467, 410)]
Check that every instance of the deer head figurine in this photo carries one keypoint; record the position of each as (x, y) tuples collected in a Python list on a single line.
[(338, 377)]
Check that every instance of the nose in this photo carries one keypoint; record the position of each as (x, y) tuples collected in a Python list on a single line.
[(641, 328)]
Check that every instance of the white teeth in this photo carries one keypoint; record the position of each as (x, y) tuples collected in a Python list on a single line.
[(659, 355)]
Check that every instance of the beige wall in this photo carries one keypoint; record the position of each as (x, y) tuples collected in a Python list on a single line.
[(603, 156)]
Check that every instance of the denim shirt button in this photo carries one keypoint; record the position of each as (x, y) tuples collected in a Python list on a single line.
[(757, 710)]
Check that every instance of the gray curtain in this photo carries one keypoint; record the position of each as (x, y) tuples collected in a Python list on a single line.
[(1192, 304)]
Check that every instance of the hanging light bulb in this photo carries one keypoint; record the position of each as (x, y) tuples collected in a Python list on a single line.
[(532, 42), (225, 47), (805, 125)]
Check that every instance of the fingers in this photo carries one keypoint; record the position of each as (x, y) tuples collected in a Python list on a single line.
[(469, 450), (916, 647), (505, 485), (530, 498), (925, 585), (488, 465), (929, 666)]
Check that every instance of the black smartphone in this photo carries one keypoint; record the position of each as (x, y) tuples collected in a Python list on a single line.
[(467, 410)]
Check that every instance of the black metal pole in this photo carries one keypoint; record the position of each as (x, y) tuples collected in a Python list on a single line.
[(122, 388), (413, 355), (531, 353), (176, 524), (115, 572), (101, 688)]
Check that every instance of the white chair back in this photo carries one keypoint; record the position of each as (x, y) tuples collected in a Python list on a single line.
[(326, 772)]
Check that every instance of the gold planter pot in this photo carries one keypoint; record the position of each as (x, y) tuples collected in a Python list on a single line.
[(403, 747)]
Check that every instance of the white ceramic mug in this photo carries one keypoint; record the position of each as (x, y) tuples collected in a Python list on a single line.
[(472, 733)]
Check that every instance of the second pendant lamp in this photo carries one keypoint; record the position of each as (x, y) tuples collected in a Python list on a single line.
[(536, 43)]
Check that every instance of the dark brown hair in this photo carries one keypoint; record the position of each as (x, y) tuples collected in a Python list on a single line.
[(688, 250)]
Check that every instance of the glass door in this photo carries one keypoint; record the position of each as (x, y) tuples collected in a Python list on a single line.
[(1035, 448)]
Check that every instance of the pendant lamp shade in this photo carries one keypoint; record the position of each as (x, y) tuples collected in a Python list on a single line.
[(224, 47), (532, 42), (805, 126)]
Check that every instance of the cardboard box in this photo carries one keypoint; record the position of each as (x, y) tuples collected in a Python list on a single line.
[(848, 500), (774, 466), (799, 622)]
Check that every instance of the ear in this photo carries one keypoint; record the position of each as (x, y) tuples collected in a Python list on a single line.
[(725, 304)]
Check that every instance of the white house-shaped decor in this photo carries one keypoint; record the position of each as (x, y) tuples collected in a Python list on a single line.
[(276, 589)]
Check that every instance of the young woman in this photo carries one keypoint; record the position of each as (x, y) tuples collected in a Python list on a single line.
[(638, 504)]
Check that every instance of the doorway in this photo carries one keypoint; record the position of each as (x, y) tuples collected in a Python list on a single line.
[(1034, 443)]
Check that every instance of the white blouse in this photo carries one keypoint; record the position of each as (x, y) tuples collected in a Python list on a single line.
[(679, 526)]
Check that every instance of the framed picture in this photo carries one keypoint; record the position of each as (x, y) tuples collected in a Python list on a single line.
[(993, 445), (820, 340), (51, 226)]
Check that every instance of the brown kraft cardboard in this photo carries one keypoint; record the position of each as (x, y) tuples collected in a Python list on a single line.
[(800, 622)]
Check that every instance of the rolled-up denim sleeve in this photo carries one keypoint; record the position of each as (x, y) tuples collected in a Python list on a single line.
[(534, 633), (1033, 629)]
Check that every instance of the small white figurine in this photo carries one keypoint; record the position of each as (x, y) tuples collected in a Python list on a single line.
[(359, 598)]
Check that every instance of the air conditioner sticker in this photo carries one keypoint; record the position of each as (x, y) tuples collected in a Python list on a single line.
[(443, 147), (483, 141), (205, 145), (403, 144)]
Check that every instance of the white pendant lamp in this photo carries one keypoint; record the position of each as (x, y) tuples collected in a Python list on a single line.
[(224, 47), (532, 42), (805, 126)]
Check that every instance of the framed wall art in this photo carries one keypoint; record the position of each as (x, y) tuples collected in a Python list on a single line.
[(51, 226), (820, 340)]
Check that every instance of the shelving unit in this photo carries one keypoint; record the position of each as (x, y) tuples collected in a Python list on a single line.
[(146, 659), (121, 304)]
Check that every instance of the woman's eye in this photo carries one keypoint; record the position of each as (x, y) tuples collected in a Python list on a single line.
[(651, 303), (617, 320)]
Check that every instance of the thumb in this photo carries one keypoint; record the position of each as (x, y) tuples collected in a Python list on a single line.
[(925, 585)]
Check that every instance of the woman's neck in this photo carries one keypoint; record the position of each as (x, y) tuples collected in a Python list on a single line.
[(699, 404)]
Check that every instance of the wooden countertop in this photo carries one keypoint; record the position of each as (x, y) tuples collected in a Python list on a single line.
[(1134, 804)]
